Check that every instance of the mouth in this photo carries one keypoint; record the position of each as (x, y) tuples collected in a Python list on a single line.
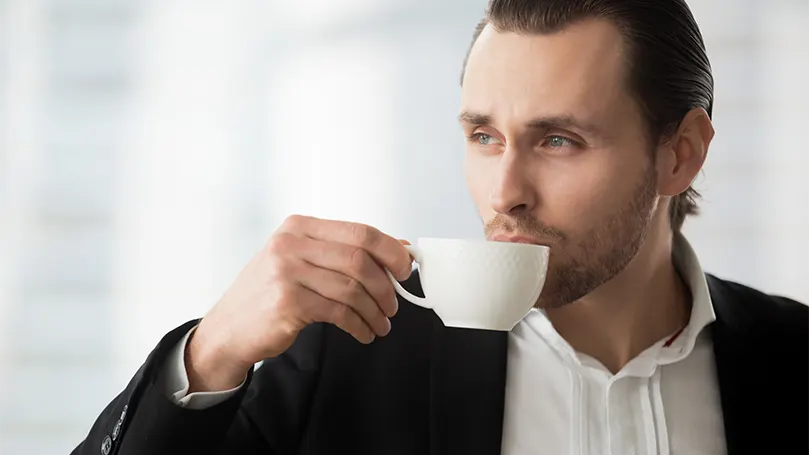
[(517, 239)]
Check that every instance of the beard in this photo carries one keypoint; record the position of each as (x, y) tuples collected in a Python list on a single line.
[(578, 266)]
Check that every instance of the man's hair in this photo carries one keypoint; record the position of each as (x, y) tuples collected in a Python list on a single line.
[(668, 69)]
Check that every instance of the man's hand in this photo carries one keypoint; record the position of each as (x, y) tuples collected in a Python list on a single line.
[(311, 270)]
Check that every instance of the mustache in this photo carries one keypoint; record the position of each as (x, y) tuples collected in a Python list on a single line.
[(521, 224)]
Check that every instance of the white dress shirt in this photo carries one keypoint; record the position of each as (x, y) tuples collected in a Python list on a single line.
[(558, 402), (665, 401)]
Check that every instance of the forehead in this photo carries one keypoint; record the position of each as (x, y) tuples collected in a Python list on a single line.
[(577, 70)]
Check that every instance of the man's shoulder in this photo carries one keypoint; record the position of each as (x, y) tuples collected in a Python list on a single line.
[(758, 307)]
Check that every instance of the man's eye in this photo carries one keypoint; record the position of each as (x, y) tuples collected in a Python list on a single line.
[(483, 139), (558, 142)]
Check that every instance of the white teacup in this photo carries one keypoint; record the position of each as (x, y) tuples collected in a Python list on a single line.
[(478, 284)]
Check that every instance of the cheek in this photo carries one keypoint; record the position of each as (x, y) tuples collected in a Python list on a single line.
[(479, 177), (580, 195)]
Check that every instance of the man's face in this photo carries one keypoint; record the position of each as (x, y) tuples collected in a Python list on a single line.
[(557, 151)]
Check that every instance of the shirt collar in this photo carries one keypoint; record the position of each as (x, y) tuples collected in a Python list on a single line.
[(702, 313)]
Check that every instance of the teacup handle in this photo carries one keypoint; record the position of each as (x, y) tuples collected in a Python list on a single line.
[(420, 301)]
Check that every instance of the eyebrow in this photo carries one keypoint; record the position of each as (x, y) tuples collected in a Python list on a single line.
[(539, 123)]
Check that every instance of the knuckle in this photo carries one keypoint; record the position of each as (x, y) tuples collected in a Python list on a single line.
[(358, 261), (280, 269), (279, 243), (287, 290), (294, 222), (353, 289), (363, 234), (286, 299)]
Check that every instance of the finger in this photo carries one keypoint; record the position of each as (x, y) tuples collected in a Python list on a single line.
[(348, 260), (348, 291), (353, 262), (383, 248), (322, 309)]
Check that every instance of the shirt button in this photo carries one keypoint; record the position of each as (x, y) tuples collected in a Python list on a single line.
[(106, 446), (117, 430), (123, 413)]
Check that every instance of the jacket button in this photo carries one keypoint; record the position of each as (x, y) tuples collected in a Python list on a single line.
[(117, 430), (106, 446)]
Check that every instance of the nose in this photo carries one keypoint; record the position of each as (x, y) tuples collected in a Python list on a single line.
[(512, 191)]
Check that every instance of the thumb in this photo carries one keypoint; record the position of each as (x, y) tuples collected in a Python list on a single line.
[(410, 269)]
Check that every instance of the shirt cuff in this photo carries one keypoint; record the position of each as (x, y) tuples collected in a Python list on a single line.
[(175, 383)]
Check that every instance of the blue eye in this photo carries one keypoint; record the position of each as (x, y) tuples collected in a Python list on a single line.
[(483, 139), (558, 141)]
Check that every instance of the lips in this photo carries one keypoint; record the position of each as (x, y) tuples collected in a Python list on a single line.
[(516, 239)]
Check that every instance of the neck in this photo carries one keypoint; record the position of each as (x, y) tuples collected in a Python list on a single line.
[(643, 304)]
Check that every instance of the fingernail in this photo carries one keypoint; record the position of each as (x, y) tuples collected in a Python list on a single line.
[(387, 327), (395, 305), (404, 242)]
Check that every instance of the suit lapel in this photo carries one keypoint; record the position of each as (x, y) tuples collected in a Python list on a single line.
[(468, 382), (735, 376)]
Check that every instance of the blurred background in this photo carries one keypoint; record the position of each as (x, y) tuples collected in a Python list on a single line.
[(148, 149)]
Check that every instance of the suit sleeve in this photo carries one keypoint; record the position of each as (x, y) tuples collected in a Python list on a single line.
[(265, 416), (175, 383)]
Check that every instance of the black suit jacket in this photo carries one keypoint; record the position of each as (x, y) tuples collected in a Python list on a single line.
[(428, 389)]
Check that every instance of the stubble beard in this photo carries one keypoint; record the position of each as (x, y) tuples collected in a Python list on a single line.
[(578, 269)]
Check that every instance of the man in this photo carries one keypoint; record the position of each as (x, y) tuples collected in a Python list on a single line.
[(587, 121)]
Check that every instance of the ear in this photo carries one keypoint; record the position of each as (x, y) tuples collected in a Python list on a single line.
[(681, 158)]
